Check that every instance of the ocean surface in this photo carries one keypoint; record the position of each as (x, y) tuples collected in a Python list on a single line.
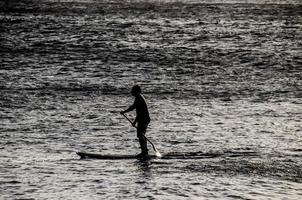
[(222, 78)]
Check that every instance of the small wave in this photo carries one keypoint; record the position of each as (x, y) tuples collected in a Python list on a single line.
[(13, 182), (282, 169)]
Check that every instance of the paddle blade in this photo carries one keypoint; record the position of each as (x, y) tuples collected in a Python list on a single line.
[(158, 154)]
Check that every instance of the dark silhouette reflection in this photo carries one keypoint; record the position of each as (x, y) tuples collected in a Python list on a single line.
[(144, 181), (144, 170), (142, 118)]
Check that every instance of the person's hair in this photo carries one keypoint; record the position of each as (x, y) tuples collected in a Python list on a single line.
[(136, 89)]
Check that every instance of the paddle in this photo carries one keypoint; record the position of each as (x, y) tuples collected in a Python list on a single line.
[(156, 152)]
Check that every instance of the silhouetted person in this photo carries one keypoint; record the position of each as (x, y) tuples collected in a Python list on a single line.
[(142, 118)]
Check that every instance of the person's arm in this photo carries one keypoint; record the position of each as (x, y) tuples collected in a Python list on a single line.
[(132, 107)]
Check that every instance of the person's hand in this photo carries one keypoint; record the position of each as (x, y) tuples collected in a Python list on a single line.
[(133, 124)]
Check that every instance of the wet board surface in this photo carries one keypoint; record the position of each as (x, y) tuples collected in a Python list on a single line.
[(113, 157), (85, 155)]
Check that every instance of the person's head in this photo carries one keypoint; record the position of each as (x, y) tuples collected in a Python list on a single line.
[(136, 90)]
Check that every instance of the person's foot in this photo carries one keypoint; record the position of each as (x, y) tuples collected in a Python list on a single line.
[(141, 155)]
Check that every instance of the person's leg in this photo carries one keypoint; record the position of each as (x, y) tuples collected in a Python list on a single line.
[(141, 130), (143, 145)]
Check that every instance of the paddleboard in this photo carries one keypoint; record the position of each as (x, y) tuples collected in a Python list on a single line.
[(84, 155), (182, 156)]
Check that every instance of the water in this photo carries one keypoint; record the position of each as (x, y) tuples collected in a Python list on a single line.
[(221, 79)]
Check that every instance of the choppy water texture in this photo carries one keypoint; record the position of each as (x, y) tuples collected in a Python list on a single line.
[(219, 78)]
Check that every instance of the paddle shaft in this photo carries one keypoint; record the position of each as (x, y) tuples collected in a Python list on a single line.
[(144, 135)]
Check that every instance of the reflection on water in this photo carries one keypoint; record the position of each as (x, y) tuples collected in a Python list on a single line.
[(222, 82)]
